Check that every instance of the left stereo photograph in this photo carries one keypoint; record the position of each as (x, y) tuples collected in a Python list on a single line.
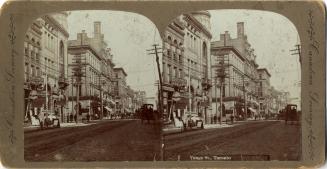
[(91, 88)]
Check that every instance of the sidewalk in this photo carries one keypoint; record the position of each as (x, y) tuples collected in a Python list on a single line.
[(29, 127), (223, 125), (171, 129)]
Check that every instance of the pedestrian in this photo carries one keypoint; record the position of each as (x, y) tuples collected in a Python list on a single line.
[(75, 117), (88, 117), (232, 119), (41, 118)]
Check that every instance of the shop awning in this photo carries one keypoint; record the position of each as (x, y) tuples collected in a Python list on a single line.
[(255, 102), (252, 110), (108, 108)]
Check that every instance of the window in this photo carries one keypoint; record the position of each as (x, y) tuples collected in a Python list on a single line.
[(26, 51), (38, 71), (33, 70), (169, 39), (48, 41), (52, 43), (175, 72), (169, 73)]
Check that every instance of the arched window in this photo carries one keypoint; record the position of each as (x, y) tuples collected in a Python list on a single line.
[(175, 42), (205, 56), (169, 39), (204, 50)]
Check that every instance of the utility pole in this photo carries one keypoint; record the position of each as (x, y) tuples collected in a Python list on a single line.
[(189, 88), (46, 86), (216, 100), (155, 51), (78, 73), (101, 99), (221, 75), (244, 93), (297, 51)]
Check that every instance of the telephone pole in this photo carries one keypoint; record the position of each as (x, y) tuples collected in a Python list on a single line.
[(297, 51), (244, 93), (221, 75), (155, 51), (78, 73)]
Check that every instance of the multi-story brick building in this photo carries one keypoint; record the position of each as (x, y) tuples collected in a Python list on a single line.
[(173, 76), (197, 62), (121, 93), (264, 90), (231, 62), (250, 74), (96, 91), (186, 64), (46, 64)]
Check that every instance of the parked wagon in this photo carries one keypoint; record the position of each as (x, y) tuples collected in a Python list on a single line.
[(148, 113)]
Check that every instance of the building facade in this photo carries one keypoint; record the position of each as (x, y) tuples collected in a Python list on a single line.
[(185, 65), (197, 62), (264, 91), (232, 63), (173, 67), (96, 91), (121, 92), (249, 76), (46, 65)]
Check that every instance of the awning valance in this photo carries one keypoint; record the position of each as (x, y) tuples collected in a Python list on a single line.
[(252, 110), (108, 108)]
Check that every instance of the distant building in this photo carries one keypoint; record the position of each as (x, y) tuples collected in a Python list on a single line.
[(233, 89), (264, 91), (121, 92), (139, 99), (98, 76), (250, 65)]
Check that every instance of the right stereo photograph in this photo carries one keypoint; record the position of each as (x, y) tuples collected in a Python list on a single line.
[(231, 87)]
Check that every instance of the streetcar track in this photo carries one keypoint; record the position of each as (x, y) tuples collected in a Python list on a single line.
[(51, 146), (178, 148)]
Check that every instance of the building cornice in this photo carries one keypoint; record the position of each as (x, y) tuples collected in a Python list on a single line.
[(212, 49), (264, 69), (176, 29), (190, 19), (56, 24), (122, 69), (84, 47)]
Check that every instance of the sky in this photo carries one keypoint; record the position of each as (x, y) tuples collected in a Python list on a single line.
[(128, 35), (271, 35)]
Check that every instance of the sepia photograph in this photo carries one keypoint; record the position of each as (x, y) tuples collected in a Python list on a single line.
[(162, 84), (231, 87), (90, 88)]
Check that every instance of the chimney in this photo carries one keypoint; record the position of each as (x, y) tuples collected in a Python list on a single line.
[(226, 37), (97, 28), (222, 37), (240, 29)]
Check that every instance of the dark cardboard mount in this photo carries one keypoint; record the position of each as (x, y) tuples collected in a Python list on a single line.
[(161, 13)]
